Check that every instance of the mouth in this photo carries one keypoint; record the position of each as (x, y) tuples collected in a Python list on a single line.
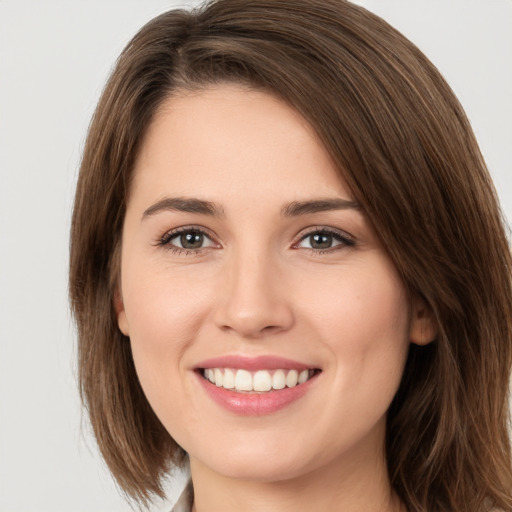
[(257, 382), (255, 385)]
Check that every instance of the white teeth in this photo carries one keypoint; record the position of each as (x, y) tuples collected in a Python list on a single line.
[(229, 379), (292, 378), (243, 381), (279, 379), (260, 381)]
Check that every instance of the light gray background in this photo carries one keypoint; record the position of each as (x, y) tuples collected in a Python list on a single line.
[(54, 59)]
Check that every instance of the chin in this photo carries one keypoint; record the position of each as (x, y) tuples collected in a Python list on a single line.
[(265, 470), (259, 461)]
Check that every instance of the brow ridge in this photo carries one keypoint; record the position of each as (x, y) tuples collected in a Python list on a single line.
[(184, 204), (297, 208), (203, 207)]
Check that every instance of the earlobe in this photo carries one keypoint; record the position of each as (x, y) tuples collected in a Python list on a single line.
[(122, 321), (424, 328)]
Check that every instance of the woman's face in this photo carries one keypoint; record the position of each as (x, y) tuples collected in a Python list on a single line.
[(246, 260)]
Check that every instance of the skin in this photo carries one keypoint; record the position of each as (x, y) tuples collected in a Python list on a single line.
[(260, 286)]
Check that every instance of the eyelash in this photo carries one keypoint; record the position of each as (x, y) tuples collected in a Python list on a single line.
[(345, 240), (165, 240)]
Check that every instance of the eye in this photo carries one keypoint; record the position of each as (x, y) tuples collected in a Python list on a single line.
[(324, 239), (186, 239)]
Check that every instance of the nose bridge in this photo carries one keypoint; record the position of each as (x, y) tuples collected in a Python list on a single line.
[(253, 299)]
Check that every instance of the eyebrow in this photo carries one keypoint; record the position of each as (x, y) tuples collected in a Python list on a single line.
[(202, 207), (187, 205), (297, 208)]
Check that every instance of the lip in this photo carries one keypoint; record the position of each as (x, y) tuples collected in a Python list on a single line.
[(253, 364), (254, 404)]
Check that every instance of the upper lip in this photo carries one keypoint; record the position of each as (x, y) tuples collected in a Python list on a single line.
[(253, 363)]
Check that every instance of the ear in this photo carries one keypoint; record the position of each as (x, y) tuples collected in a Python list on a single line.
[(424, 328), (122, 321)]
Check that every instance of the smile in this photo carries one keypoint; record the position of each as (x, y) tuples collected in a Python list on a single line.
[(261, 381), (255, 385)]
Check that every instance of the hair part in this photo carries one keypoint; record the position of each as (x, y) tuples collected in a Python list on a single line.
[(404, 146)]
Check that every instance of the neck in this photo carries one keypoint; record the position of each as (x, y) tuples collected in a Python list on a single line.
[(355, 482)]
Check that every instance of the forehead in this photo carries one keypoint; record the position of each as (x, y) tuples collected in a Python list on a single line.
[(236, 140)]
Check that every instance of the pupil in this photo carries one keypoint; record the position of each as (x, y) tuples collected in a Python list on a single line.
[(191, 240), (321, 241)]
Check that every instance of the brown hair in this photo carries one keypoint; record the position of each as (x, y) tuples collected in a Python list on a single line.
[(404, 146)]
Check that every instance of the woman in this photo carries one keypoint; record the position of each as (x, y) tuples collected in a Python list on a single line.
[(288, 268)]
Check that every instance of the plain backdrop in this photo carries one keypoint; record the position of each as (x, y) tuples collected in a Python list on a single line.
[(54, 59)]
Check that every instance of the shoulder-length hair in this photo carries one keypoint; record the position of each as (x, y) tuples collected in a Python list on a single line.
[(402, 142)]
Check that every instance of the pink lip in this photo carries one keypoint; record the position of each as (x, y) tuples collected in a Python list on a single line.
[(253, 363), (253, 404)]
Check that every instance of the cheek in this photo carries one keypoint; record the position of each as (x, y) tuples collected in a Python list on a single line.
[(162, 304), (363, 320), (369, 305), (164, 315)]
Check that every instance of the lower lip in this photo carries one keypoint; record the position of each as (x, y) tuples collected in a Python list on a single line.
[(255, 404)]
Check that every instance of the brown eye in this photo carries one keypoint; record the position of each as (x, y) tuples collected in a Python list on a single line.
[(187, 239), (191, 240), (322, 240)]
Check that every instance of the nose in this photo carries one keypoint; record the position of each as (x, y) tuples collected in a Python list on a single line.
[(253, 300)]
